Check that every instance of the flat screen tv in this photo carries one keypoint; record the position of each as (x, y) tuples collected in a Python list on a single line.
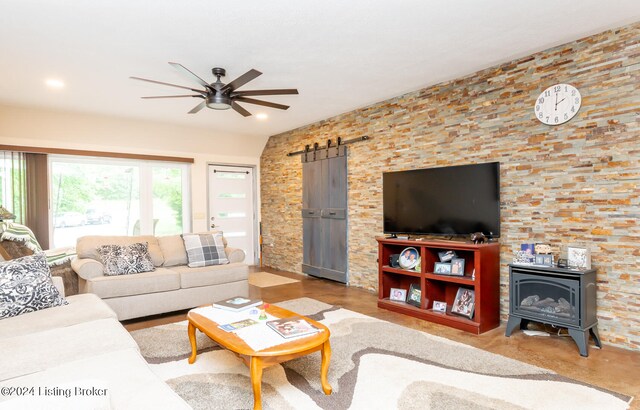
[(456, 200)]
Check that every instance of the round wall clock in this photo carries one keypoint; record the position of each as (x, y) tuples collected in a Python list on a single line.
[(557, 104)]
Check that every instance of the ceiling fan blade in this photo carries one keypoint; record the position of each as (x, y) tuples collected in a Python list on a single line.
[(170, 85), (190, 75), (267, 92), (239, 109), (198, 107), (172, 96), (260, 102), (242, 80)]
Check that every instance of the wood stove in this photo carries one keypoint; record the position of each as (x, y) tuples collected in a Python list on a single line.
[(555, 296)]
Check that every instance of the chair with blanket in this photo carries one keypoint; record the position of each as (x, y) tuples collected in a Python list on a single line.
[(17, 240)]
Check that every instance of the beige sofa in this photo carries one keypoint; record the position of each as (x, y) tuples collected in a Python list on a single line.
[(59, 350), (172, 286)]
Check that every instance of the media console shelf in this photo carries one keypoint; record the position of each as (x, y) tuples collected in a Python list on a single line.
[(484, 258)]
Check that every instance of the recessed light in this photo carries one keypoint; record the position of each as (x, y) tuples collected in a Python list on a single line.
[(54, 83), (262, 116)]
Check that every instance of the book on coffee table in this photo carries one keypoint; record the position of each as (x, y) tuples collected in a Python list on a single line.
[(230, 327), (292, 327), (237, 303)]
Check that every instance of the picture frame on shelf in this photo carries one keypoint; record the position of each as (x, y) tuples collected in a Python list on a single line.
[(529, 252), (457, 267), (398, 295), (522, 258), (544, 260), (439, 306), (417, 267), (465, 303), (414, 295), (542, 249), (409, 258), (578, 257), (442, 268), (446, 256)]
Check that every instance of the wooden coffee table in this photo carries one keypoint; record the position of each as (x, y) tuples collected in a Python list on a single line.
[(258, 360)]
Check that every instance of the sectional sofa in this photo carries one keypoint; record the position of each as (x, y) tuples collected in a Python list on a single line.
[(171, 286), (76, 356)]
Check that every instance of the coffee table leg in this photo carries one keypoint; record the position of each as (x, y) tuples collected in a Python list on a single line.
[(192, 340), (324, 367), (256, 381)]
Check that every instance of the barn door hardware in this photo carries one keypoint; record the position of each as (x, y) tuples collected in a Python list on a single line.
[(316, 147)]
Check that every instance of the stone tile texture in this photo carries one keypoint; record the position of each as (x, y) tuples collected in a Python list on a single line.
[(573, 184)]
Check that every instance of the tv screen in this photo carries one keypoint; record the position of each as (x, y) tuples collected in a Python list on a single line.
[(456, 200)]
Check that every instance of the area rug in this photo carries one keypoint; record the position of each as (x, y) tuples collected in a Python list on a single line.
[(265, 279), (374, 365)]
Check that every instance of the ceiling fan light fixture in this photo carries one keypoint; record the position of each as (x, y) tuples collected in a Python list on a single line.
[(218, 102), (220, 96)]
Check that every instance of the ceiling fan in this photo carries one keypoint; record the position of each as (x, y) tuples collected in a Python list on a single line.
[(221, 96)]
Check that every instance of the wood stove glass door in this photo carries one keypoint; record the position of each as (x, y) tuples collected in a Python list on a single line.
[(548, 299)]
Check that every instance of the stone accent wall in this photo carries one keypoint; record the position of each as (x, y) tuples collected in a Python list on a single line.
[(573, 184)]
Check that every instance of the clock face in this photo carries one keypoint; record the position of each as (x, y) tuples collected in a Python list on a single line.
[(557, 104)]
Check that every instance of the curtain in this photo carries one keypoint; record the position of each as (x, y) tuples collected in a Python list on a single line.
[(37, 197), (23, 180), (13, 180)]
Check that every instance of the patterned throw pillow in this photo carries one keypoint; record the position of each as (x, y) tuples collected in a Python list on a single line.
[(126, 259), (205, 249), (26, 286)]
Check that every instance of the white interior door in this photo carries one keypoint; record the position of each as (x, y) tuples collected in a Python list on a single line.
[(232, 207)]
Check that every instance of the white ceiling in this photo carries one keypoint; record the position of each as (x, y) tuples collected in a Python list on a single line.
[(341, 55)]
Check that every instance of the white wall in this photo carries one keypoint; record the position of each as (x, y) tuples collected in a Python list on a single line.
[(61, 129)]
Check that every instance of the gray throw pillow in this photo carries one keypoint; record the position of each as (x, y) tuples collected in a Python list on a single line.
[(205, 249), (126, 259), (26, 286)]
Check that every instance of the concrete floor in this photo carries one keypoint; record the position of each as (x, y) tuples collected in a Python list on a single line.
[(610, 367)]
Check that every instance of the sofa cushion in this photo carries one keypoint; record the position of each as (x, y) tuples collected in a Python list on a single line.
[(160, 280), (26, 286), (173, 250), (211, 275), (35, 352), (87, 246), (126, 259), (81, 308), (205, 249)]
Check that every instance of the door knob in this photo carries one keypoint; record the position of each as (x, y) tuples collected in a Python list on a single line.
[(213, 225)]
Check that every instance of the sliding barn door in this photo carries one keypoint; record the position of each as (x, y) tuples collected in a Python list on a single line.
[(324, 213)]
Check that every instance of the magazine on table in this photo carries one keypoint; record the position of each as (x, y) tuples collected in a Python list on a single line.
[(292, 327), (230, 327), (237, 303)]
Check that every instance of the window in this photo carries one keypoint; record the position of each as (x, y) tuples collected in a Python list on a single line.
[(168, 203), (92, 196)]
